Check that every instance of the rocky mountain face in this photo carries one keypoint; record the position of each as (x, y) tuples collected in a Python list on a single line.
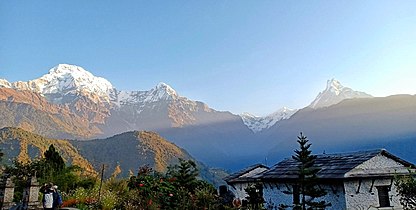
[(70, 102), (335, 93), (73, 89), (32, 112), (257, 124)]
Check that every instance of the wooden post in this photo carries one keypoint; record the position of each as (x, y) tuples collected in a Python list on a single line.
[(101, 184)]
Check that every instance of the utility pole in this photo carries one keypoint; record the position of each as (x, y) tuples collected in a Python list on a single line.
[(101, 184)]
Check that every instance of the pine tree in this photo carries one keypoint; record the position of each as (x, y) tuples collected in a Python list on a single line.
[(54, 159), (185, 173), (307, 172)]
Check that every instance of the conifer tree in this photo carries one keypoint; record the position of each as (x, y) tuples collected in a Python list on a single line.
[(54, 159), (186, 173), (307, 172)]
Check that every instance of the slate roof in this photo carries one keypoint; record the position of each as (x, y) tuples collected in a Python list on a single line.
[(239, 176), (333, 166)]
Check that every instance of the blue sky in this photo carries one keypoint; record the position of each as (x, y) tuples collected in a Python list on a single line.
[(239, 56)]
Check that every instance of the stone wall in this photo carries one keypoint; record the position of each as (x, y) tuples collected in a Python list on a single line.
[(238, 190), (364, 195), (7, 193), (274, 194), (30, 195), (361, 193)]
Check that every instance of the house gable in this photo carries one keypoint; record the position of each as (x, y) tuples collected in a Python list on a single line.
[(240, 180), (379, 165), (246, 175)]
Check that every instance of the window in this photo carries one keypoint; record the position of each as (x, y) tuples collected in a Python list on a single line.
[(296, 194), (383, 196)]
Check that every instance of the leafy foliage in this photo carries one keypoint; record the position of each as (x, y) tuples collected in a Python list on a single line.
[(31, 145), (255, 196), (179, 188), (406, 187), (51, 168)]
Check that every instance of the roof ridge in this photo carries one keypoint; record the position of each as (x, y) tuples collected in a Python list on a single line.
[(380, 150)]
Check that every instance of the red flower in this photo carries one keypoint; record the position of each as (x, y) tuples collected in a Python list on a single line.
[(70, 203), (141, 185)]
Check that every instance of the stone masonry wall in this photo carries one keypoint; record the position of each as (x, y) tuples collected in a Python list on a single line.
[(274, 195), (366, 196)]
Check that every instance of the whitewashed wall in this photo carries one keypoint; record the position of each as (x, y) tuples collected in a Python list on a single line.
[(377, 165), (274, 195), (239, 188), (365, 199)]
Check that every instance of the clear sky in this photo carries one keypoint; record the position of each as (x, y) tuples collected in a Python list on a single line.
[(241, 56)]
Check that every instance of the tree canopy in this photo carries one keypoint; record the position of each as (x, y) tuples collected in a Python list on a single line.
[(406, 187)]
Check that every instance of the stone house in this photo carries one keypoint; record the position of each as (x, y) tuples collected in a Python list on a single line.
[(357, 180), (242, 179)]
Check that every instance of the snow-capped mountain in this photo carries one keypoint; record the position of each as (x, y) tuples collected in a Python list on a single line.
[(257, 124), (335, 93), (64, 82), (71, 103), (162, 92)]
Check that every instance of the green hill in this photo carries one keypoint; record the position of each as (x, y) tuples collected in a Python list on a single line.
[(121, 154), (24, 146)]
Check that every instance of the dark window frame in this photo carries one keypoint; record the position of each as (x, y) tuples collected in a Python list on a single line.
[(383, 196)]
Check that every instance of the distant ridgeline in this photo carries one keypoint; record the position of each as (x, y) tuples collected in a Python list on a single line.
[(71, 103), (122, 154)]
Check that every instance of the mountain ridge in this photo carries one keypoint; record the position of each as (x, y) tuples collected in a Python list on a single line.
[(217, 138), (334, 93), (126, 152), (66, 83), (32, 146)]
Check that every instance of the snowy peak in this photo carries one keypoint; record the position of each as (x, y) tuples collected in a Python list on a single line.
[(64, 82), (74, 70), (257, 124), (5, 83), (68, 78), (334, 86), (334, 93), (162, 91)]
